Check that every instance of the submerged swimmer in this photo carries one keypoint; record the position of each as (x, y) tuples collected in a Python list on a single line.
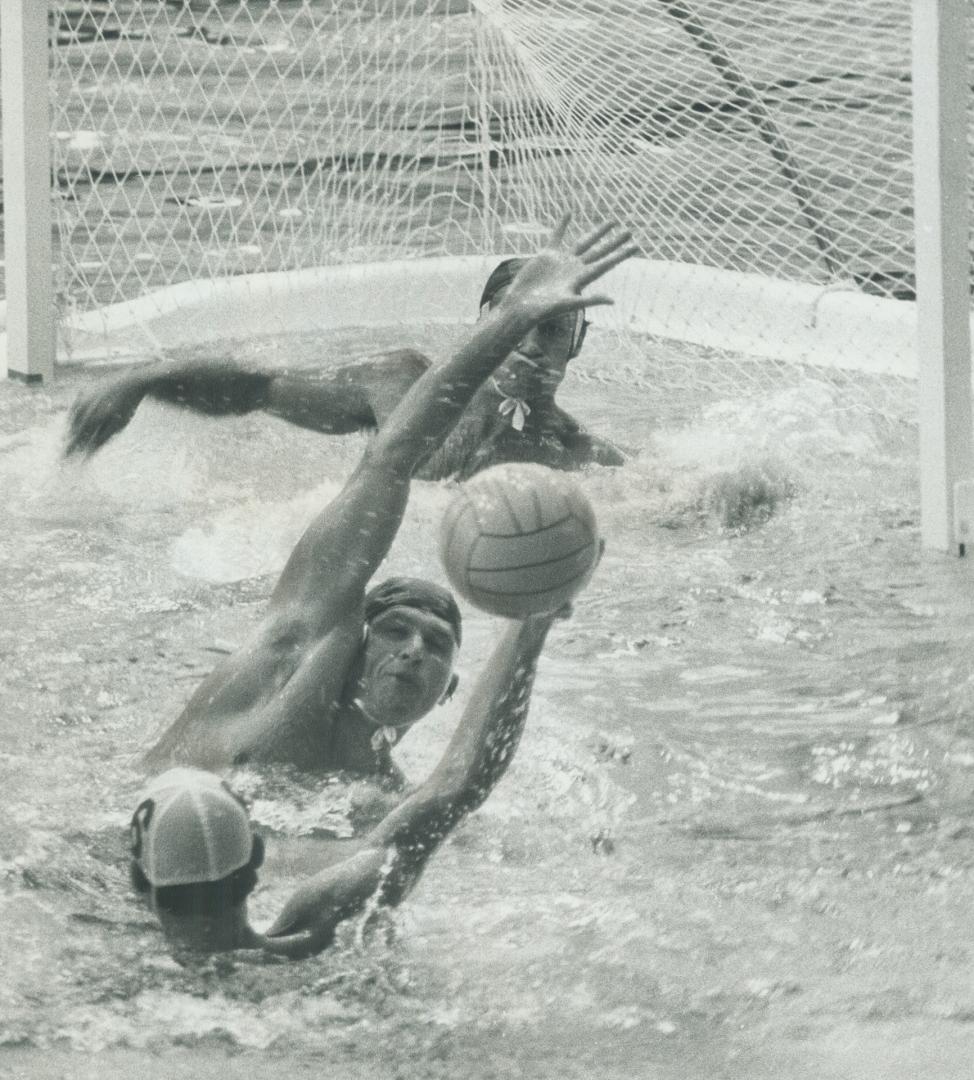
[(332, 674), (512, 417), (196, 858)]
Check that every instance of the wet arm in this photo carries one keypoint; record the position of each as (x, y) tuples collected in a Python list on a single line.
[(548, 285), (395, 853), (365, 517), (320, 577), (483, 744), (214, 387), (336, 400), (351, 397)]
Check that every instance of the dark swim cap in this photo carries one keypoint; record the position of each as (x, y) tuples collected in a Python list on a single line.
[(415, 593), (502, 275)]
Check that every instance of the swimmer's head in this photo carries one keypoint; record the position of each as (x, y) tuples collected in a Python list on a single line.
[(412, 633), (559, 339), (193, 850)]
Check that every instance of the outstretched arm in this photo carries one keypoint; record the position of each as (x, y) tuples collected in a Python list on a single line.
[(296, 662), (218, 387), (319, 576), (335, 401), (395, 853)]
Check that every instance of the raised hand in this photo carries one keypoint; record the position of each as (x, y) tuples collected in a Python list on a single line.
[(552, 281), (99, 414)]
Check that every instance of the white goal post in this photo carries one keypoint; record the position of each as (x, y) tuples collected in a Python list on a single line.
[(28, 250), (943, 260), (255, 151)]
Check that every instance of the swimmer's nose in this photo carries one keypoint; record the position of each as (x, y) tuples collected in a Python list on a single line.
[(530, 348), (412, 647)]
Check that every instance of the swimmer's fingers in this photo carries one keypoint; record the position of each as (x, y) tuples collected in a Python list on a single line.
[(87, 432), (559, 231), (589, 240), (595, 270), (607, 247), (579, 303), (96, 419), (81, 432)]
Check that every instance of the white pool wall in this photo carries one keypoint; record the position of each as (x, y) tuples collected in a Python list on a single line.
[(744, 313)]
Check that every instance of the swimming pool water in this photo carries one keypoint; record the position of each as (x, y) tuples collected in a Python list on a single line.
[(736, 823)]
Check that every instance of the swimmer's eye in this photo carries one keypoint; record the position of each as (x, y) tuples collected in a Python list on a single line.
[(438, 643), (434, 640), (565, 328), (557, 327)]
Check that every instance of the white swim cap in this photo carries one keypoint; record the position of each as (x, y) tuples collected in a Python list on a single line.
[(189, 828)]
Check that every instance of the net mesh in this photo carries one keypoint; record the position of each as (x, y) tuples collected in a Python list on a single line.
[(202, 138)]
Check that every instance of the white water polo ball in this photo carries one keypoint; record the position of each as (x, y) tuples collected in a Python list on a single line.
[(519, 540)]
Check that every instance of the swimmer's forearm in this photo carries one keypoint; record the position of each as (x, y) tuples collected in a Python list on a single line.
[(397, 850), (547, 285), (482, 746), (214, 387), (492, 723), (433, 405)]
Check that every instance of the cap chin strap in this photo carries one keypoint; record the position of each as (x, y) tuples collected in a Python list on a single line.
[(384, 734), (514, 407)]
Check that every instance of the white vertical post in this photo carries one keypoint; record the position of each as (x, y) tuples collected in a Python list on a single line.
[(943, 269), (27, 189)]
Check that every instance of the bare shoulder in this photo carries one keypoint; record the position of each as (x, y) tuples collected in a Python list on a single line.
[(268, 701), (336, 399)]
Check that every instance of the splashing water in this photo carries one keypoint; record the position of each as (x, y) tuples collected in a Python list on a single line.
[(750, 736)]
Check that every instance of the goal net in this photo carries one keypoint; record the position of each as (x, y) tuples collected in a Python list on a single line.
[(760, 151)]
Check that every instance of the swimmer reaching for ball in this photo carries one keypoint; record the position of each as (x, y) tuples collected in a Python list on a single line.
[(333, 674), (512, 417), (195, 857)]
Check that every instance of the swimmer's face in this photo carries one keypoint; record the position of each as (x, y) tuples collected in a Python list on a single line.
[(538, 363), (408, 662)]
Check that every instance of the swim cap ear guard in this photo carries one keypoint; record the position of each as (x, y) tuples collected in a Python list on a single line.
[(140, 822), (451, 688), (578, 335), (502, 275), (257, 853)]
